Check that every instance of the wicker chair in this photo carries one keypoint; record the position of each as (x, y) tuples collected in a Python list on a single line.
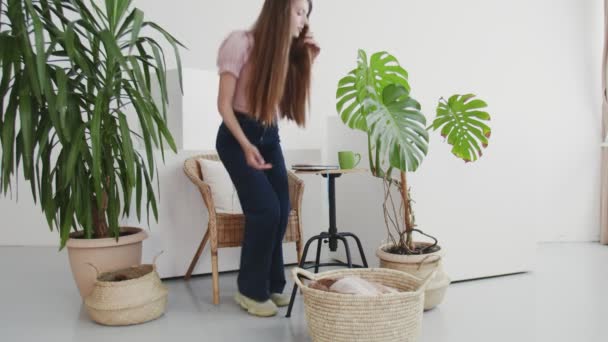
[(226, 230)]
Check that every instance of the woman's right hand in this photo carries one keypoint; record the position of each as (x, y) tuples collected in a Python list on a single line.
[(254, 158)]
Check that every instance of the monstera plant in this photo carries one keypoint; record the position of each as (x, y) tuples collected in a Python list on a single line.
[(376, 98), (76, 95)]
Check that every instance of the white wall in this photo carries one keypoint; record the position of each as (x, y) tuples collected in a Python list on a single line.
[(537, 63), (567, 108)]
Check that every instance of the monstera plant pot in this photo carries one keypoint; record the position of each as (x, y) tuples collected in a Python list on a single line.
[(421, 266), (105, 254)]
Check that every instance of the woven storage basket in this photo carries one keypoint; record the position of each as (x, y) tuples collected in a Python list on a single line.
[(140, 298), (337, 317)]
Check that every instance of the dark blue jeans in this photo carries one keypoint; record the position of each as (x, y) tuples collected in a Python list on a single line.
[(264, 197)]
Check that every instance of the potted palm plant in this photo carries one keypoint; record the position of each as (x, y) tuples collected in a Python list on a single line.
[(75, 95), (375, 98)]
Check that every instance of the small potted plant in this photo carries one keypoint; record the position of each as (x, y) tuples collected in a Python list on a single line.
[(375, 98), (75, 87)]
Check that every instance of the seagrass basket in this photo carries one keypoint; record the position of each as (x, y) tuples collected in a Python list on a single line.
[(127, 296)]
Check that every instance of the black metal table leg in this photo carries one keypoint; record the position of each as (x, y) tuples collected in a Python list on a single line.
[(349, 261), (301, 264), (359, 245), (318, 258), (332, 236), (333, 229)]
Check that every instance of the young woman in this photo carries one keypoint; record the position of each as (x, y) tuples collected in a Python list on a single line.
[(264, 76)]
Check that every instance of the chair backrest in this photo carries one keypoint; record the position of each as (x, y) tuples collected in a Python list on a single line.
[(192, 168)]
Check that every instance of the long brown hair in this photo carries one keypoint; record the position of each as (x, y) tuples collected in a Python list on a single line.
[(281, 65)]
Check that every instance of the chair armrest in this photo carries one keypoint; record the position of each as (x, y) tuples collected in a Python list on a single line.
[(205, 191), (296, 191)]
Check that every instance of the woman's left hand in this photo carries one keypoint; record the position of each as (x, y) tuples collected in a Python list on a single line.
[(312, 44)]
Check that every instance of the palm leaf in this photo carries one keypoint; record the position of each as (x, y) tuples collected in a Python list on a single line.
[(65, 120)]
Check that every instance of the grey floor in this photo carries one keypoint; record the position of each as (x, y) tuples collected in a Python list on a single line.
[(564, 299)]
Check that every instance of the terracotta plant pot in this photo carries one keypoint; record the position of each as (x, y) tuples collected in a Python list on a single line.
[(420, 266), (106, 254)]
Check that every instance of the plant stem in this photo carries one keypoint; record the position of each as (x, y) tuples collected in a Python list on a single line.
[(394, 223), (372, 167), (409, 243), (100, 223)]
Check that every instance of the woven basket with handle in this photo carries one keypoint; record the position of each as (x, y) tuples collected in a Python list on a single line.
[(337, 317), (127, 296)]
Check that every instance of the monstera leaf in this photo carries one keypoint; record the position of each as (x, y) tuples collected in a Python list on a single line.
[(461, 121), (398, 128), (367, 81)]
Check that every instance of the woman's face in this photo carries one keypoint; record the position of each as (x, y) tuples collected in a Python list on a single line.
[(299, 19)]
